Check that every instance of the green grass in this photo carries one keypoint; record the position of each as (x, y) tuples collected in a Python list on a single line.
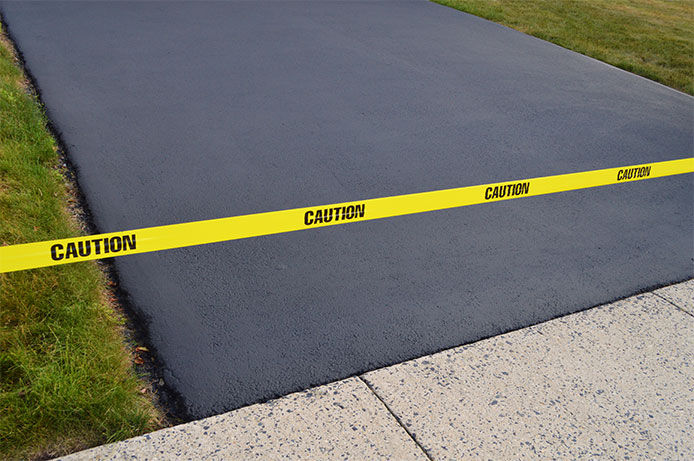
[(66, 379), (652, 38)]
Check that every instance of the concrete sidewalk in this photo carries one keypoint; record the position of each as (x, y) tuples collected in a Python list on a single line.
[(615, 381)]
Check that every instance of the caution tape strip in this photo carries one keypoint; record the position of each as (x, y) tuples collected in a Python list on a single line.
[(85, 248)]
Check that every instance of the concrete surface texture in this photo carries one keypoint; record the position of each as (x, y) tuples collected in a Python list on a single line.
[(681, 295), (334, 421), (183, 111), (616, 382)]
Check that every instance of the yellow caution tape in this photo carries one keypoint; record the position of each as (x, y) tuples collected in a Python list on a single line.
[(69, 250)]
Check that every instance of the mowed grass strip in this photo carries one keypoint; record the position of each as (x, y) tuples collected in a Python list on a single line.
[(651, 38), (66, 379)]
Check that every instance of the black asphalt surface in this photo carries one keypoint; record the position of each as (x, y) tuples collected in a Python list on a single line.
[(187, 111)]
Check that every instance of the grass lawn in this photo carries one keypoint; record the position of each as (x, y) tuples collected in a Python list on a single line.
[(652, 38), (66, 378)]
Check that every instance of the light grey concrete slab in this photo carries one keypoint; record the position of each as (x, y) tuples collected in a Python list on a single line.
[(680, 294), (616, 381), (341, 420)]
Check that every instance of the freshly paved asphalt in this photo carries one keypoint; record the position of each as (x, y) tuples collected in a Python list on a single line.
[(187, 111)]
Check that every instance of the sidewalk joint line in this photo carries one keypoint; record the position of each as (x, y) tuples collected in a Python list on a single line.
[(678, 307), (366, 383)]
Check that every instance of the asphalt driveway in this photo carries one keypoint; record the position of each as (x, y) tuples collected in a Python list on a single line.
[(195, 110)]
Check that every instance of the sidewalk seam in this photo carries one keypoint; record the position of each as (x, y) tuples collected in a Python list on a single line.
[(366, 383), (678, 307)]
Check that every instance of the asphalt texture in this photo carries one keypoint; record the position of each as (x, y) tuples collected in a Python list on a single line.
[(187, 111)]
